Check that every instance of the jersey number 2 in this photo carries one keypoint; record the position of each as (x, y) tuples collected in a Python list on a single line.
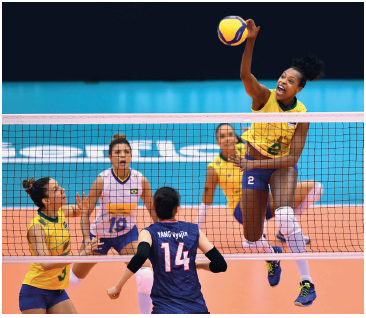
[(178, 257)]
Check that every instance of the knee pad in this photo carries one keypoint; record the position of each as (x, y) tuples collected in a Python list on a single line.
[(144, 280), (286, 221)]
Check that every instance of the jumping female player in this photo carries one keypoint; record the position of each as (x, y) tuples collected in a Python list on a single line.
[(171, 246), (43, 289), (119, 189), (229, 178), (272, 155)]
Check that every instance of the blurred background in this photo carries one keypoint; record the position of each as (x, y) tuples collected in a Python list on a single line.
[(166, 57)]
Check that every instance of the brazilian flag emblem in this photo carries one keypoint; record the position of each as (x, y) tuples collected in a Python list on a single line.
[(134, 191), (65, 225)]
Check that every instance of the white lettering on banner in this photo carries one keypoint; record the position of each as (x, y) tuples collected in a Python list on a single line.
[(95, 151), (51, 152), (7, 150), (99, 153)]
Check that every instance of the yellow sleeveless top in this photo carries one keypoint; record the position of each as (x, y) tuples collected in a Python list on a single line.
[(229, 176), (273, 139), (58, 244)]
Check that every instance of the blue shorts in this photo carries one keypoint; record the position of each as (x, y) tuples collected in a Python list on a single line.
[(31, 297), (118, 242), (257, 179), (238, 215)]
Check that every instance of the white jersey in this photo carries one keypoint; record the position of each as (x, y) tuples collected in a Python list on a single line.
[(118, 204)]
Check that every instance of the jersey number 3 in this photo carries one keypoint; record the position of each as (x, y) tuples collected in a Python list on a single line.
[(178, 257)]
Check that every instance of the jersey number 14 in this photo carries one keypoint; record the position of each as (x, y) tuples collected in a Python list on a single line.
[(178, 257)]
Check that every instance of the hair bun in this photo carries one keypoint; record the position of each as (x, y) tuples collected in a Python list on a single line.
[(119, 136), (27, 184)]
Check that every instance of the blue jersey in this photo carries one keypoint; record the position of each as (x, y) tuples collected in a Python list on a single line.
[(176, 289)]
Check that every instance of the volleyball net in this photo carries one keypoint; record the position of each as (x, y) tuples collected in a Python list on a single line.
[(174, 150)]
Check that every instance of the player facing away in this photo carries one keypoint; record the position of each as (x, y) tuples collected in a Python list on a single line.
[(119, 190), (171, 246), (272, 155), (43, 288)]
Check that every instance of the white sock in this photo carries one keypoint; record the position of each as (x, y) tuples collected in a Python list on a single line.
[(312, 197), (73, 281), (261, 245)]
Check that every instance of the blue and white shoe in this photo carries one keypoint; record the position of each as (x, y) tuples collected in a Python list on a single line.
[(274, 269), (281, 237), (307, 294)]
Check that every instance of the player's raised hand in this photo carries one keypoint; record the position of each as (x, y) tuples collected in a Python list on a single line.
[(113, 292), (82, 203), (252, 29)]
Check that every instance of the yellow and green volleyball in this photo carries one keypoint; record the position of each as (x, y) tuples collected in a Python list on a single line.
[(232, 30)]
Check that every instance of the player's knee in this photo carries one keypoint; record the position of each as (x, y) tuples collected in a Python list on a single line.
[(144, 280), (74, 281), (253, 237), (286, 221)]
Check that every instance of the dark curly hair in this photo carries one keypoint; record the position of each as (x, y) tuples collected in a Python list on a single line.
[(37, 190), (310, 67)]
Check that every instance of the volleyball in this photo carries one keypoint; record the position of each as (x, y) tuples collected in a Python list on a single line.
[(232, 30)]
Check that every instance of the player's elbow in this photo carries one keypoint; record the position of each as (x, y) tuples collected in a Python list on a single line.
[(218, 263), (218, 266)]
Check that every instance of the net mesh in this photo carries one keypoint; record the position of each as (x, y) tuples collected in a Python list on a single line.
[(175, 152)]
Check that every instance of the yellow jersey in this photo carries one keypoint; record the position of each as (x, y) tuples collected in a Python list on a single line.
[(229, 176), (58, 244), (273, 139)]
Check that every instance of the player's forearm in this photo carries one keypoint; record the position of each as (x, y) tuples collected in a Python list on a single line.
[(85, 226), (277, 163), (75, 211), (203, 265), (125, 277), (246, 62)]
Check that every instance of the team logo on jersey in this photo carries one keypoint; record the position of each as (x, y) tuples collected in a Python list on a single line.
[(134, 191), (65, 225), (292, 124)]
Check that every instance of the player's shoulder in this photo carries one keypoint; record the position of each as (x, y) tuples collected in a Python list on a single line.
[(216, 163), (136, 174), (300, 107), (105, 173)]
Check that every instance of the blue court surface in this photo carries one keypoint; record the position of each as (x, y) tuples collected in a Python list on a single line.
[(75, 154)]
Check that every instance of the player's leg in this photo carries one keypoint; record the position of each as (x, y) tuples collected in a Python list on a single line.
[(127, 245), (307, 193), (80, 270), (254, 202), (283, 185), (64, 307)]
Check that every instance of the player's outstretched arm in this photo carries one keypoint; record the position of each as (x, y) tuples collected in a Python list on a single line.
[(134, 265), (218, 263), (212, 180), (37, 236), (259, 93), (148, 199), (94, 194)]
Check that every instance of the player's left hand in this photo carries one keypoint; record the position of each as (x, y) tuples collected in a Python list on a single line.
[(82, 203), (241, 162), (113, 293)]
